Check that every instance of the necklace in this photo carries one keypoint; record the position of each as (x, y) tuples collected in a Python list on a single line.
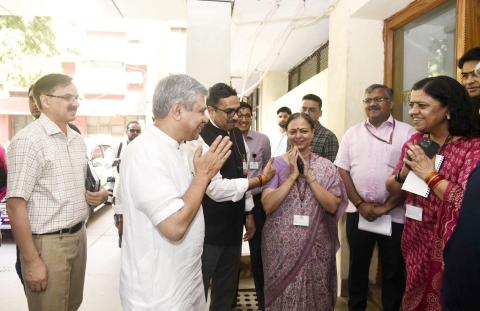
[(381, 139), (301, 194)]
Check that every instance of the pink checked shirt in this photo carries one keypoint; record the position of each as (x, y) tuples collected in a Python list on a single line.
[(370, 161)]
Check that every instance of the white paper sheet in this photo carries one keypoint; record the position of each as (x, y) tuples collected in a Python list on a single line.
[(415, 184), (381, 225)]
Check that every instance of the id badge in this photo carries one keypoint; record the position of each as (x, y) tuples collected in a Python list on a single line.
[(245, 168), (414, 212), (301, 220), (254, 165)]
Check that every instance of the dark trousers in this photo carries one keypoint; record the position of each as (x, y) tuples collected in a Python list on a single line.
[(393, 268), (220, 264), (256, 250)]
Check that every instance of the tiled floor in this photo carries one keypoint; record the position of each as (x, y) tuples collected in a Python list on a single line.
[(246, 300)]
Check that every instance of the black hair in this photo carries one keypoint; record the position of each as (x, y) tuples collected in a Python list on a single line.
[(315, 98), (388, 91), (246, 105), (48, 83), (464, 121), (284, 109), (472, 54), (219, 91), (132, 122), (302, 115)]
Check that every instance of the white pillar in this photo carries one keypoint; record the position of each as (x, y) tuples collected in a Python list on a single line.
[(208, 41)]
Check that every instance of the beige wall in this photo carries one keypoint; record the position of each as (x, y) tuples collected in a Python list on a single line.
[(356, 56), (274, 85)]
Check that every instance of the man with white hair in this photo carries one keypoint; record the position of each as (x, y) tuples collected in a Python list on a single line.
[(164, 225)]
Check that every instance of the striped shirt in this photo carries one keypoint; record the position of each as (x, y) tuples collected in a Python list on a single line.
[(47, 169)]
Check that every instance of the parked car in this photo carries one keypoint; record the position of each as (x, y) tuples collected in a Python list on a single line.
[(102, 165), (4, 219)]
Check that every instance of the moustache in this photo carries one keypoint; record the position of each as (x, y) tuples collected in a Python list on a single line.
[(373, 108)]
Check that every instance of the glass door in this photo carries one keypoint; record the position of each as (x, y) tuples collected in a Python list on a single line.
[(424, 47)]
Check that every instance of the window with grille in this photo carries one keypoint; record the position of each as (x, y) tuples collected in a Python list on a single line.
[(309, 67)]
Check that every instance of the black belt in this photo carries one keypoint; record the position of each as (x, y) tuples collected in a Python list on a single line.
[(65, 231)]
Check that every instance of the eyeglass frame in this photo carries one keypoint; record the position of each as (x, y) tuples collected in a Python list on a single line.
[(376, 100), (68, 97), (309, 109), (138, 131), (244, 116), (230, 112)]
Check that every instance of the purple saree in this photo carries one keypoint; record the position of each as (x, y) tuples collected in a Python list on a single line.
[(299, 262)]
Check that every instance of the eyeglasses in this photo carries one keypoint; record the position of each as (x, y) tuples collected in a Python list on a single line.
[(376, 100), (134, 131), (309, 109), (230, 112), (244, 116), (67, 97)]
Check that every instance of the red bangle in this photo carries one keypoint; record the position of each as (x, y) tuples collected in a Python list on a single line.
[(430, 176), (435, 180)]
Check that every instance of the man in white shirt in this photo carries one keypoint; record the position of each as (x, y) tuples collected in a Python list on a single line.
[(279, 139), (133, 130), (161, 199)]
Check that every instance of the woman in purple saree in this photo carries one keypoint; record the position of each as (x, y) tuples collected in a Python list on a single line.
[(300, 234)]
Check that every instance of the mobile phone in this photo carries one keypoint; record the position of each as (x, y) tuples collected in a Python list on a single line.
[(429, 147), (300, 165)]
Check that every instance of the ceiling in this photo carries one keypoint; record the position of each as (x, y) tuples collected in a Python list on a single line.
[(274, 35), (267, 35)]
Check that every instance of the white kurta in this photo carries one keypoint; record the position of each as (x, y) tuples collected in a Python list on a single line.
[(156, 273)]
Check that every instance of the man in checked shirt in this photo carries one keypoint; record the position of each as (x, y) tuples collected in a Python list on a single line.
[(47, 200), (324, 142)]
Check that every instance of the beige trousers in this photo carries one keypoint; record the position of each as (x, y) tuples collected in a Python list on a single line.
[(65, 256)]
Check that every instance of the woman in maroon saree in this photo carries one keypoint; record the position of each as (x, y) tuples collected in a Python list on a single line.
[(442, 112), (300, 234)]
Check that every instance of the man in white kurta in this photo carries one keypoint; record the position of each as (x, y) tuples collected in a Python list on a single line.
[(155, 174), (164, 225)]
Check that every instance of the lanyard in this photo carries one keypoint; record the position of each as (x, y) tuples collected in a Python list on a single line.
[(381, 139), (301, 194)]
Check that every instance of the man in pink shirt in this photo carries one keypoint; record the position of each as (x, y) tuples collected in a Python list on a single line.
[(367, 155)]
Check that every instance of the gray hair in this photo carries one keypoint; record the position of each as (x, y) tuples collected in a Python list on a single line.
[(388, 91), (173, 89)]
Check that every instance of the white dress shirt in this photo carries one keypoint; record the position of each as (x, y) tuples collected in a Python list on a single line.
[(279, 143)]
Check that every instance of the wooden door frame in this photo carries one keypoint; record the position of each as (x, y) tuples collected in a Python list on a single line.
[(467, 34)]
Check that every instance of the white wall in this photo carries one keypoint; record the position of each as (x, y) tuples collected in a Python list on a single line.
[(208, 41), (316, 85), (274, 85)]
